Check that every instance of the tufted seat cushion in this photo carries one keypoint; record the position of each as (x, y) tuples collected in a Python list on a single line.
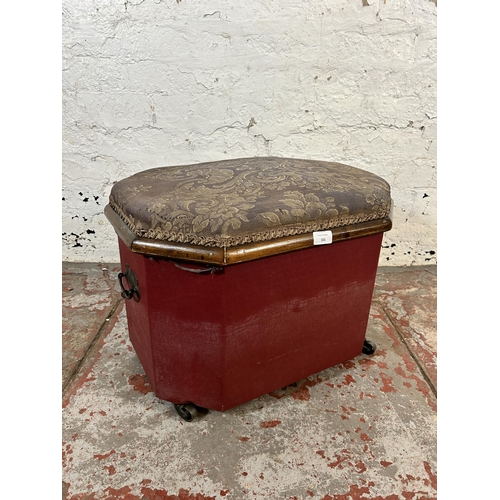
[(233, 202)]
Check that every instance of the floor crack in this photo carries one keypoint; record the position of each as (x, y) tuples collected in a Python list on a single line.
[(413, 355), (76, 369)]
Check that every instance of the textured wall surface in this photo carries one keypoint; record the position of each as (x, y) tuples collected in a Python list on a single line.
[(167, 82)]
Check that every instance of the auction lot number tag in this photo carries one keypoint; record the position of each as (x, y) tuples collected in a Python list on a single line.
[(322, 237)]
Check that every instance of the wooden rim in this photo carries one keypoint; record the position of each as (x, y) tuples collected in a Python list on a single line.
[(240, 253)]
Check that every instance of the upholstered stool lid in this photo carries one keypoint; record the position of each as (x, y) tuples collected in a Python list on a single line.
[(230, 203)]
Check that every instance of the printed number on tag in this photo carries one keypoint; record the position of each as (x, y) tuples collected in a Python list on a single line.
[(322, 237)]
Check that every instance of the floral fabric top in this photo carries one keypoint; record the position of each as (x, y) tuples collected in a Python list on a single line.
[(231, 202)]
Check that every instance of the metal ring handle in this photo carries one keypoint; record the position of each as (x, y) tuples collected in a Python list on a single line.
[(126, 294), (131, 280)]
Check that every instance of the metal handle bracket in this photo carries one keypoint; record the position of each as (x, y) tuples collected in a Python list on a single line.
[(131, 278)]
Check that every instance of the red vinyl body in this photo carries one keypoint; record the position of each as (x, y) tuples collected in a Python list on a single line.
[(219, 340)]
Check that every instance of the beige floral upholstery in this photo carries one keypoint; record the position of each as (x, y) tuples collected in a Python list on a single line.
[(231, 202)]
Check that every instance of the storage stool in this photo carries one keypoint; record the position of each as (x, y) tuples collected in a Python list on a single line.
[(244, 276)]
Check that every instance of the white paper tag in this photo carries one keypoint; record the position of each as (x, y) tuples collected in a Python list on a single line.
[(322, 237)]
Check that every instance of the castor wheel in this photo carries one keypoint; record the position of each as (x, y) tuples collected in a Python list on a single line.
[(188, 412), (369, 347)]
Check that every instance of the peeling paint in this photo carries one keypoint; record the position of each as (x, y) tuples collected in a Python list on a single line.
[(106, 455), (270, 423), (362, 429), (140, 383), (387, 383)]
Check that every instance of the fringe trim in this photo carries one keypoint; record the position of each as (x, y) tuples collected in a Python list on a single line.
[(219, 241)]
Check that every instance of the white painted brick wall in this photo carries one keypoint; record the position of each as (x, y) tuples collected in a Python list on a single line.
[(167, 82)]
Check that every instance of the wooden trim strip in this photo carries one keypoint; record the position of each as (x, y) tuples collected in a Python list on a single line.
[(252, 251), (148, 246), (240, 253)]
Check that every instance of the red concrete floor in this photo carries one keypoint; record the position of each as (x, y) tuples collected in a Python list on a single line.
[(365, 429)]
